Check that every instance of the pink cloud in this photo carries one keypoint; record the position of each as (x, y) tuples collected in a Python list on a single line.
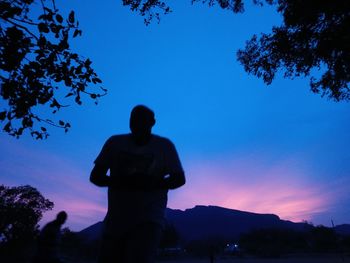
[(250, 184)]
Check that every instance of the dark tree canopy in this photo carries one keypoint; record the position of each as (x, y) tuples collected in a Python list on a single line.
[(314, 37), (152, 9), (37, 65), (21, 209), (149, 9), (315, 34)]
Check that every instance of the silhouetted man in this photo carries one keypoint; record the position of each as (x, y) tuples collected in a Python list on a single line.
[(49, 240), (143, 166)]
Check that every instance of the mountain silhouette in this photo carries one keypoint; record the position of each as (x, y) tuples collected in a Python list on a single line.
[(205, 222), (343, 229)]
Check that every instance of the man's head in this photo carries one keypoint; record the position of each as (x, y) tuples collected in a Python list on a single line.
[(141, 122), (61, 217)]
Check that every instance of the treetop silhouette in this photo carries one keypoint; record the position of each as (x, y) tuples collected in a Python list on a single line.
[(36, 63), (21, 208), (314, 35)]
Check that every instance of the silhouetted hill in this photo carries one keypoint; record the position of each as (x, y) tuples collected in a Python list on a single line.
[(92, 232), (343, 229), (203, 222)]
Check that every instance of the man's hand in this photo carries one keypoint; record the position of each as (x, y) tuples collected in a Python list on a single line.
[(139, 181), (99, 176), (173, 180)]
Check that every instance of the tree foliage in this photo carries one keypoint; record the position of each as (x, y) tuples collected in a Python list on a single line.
[(152, 9), (21, 208), (314, 37), (37, 65), (149, 9), (315, 34)]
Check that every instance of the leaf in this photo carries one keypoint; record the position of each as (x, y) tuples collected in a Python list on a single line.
[(69, 94), (76, 32), (74, 56), (78, 101), (54, 28), (42, 17), (78, 70), (61, 123), (71, 18), (3, 115), (42, 41), (43, 28), (55, 104), (96, 80), (20, 131), (43, 129), (7, 127), (87, 63), (59, 18)]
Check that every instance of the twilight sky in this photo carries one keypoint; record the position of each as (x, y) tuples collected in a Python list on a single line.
[(244, 145)]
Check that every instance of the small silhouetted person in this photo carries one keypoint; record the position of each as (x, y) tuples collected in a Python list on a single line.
[(49, 240), (143, 167)]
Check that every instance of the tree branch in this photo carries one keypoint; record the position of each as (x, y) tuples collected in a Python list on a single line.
[(43, 6), (25, 21), (54, 5), (50, 122), (20, 26)]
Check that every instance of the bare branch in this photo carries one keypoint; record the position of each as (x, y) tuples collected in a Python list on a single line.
[(25, 21)]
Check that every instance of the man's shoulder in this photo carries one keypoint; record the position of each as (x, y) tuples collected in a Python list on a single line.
[(49, 224), (162, 140), (49, 227), (116, 141), (118, 138)]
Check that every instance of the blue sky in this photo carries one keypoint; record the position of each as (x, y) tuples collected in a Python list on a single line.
[(244, 145)]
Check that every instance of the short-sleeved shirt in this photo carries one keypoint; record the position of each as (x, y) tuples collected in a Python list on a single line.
[(127, 208)]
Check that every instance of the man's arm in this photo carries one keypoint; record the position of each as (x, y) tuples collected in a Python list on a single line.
[(175, 176), (99, 176), (173, 181)]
